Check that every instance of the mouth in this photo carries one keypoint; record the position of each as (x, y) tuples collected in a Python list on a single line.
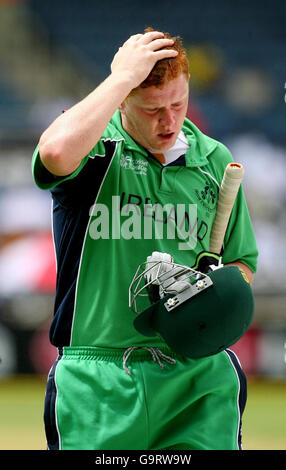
[(166, 136)]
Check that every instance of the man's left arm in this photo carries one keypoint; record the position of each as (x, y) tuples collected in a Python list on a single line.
[(245, 269)]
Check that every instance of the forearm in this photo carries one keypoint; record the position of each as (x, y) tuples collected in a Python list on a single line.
[(245, 269), (74, 133)]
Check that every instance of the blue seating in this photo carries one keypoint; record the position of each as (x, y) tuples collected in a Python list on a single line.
[(247, 33)]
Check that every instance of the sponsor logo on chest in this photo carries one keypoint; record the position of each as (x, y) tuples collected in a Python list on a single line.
[(207, 197), (138, 166)]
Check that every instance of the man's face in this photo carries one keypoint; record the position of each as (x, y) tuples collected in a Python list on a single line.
[(153, 117)]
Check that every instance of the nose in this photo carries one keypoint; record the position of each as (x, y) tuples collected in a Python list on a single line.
[(167, 117)]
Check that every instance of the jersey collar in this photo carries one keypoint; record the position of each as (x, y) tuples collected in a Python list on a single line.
[(129, 142), (201, 146)]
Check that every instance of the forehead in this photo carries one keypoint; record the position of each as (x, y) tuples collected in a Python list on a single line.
[(172, 92)]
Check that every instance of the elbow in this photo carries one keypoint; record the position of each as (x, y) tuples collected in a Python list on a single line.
[(52, 155), (57, 155), (49, 150)]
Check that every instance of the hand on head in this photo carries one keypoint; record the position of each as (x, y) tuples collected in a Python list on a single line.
[(139, 54)]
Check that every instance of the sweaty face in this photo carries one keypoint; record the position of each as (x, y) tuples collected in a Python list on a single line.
[(153, 117)]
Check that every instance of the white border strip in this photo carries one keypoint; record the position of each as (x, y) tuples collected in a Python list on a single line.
[(210, 176), (56, 405), (239, 444)]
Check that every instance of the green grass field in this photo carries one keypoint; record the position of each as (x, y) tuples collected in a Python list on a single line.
[(21, 411)]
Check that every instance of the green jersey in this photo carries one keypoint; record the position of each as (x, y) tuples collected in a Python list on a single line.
[(114, 210)]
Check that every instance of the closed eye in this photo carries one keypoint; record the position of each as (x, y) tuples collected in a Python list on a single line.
[(178, 105), (152, 110)]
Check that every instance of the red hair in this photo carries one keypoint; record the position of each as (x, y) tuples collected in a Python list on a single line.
[(167, 69)]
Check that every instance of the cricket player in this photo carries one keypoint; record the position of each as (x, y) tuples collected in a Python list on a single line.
[(129, 176)]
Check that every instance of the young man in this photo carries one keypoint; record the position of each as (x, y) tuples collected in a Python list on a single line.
[(110, 161)]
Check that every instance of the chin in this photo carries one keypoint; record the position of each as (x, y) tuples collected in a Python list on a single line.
[(164, 146)]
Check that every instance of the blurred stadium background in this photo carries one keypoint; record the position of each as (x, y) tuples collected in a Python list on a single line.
[(52, 54)]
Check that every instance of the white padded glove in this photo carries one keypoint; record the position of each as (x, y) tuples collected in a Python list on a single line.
[(158, 268), (155, 273)]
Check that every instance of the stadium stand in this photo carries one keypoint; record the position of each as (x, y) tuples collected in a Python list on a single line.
[(53, 53), (248, 34)]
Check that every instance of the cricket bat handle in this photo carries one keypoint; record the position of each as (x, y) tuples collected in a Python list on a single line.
[(230, 184)]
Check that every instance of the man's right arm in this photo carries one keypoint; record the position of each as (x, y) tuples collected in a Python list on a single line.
[(73, 134)]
